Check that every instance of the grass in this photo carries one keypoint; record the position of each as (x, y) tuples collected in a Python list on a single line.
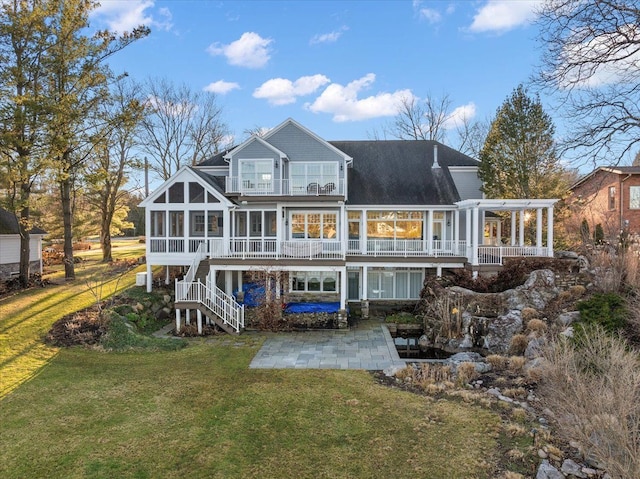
[(200, 412), (26, 317)]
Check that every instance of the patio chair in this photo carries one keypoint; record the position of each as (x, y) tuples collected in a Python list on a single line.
[(313, 188), (328, 188)]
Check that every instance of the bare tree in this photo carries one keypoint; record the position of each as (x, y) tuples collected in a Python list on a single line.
[(591, 61), (471, 136), (421, 120), (182, 127)]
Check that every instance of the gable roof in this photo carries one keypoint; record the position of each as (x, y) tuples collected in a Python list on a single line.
[(399, 172), (9, 224), (618, 170)]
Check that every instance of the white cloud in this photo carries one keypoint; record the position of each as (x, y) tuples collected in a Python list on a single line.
[(250, 50), (221, 87), (503, 15), (280, 91), (179, 109), (460, 115), (124, 15), (343, 103), (328, 37), (430, 14)]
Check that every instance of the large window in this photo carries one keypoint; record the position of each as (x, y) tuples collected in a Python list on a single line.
[(394, 283), (394, 224), (214, 223), (314, 226), (176, 193), (255, 224), (256, 175), (314, 281), (176, 223), (196, 223), (157, 223), (353, 218), (314, 177), (634, 197)]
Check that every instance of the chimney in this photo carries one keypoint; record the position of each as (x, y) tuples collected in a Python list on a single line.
[(435, 156)]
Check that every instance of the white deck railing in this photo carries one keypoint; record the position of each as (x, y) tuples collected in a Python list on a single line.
[(406, 248), (496, 254), (273, 249), (214, 299), (321, 186)]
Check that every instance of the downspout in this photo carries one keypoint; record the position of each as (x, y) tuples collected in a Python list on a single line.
[(622, 199)]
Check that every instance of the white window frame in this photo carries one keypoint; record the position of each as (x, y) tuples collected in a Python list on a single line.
[(246, 184), (322, 223), (374, 283), (300, 183), (321, 275), (634, 197)]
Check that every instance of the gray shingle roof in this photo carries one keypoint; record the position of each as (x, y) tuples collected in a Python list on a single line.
[(399, 172), (9, 224), (216, 182)]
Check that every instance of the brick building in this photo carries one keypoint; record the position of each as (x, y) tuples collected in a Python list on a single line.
[(609, 196)]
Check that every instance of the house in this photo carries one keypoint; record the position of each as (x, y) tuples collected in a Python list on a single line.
[(10, 246), (342, 221), (610, 197)]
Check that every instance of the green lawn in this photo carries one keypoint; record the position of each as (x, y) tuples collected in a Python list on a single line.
[(26, 317), (200, 412)]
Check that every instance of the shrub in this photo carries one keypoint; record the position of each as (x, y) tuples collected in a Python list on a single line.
[(529, 313), (120, 337), (497, 362), (516, 363), (577, 291), (536, 326), (403, 318), (466, 372), (604, 309), (518, 346), (594, 394)]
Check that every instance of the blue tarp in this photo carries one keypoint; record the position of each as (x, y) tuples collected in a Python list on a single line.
[(312, 307), (253, 294)]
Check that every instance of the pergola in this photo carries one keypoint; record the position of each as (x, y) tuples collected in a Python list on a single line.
[(518, 209)]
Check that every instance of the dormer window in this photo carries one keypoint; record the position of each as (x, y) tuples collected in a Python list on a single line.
[(256, 176)]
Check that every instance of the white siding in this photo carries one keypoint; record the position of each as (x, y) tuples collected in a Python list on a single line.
[(10, 249)]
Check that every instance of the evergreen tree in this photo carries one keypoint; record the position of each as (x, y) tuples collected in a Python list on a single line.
[(518, 159)]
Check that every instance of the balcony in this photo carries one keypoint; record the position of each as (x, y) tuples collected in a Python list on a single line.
[(277, 187), (405, 248)]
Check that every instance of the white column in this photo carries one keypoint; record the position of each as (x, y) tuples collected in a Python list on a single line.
[(550, 231), (521, 231), (228, 281), (212, 274), (177, 320), (363, 232), (280, 226), (365, 283), (468, 234), (439, 271), (239, 278), (149, 278), (513, 228), (538, 229), (166, 277), (499, 233), (187, 318), (342, 276), (475, 235), (429, 232), (228, 231), (199, 320), (456, 230)]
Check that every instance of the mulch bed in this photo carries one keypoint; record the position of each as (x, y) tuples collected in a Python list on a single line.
[(84, 327)]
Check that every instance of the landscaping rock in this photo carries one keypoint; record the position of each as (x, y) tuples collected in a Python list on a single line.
[(572, 468), (534, 348), (547, 471), (566, 319)]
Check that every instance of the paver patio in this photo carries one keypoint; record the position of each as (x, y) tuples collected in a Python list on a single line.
[(366, 346)]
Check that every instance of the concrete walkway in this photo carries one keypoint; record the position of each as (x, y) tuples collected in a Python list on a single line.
[(366, 346)]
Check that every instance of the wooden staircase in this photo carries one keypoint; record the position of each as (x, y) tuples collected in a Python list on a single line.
[(195, 292)]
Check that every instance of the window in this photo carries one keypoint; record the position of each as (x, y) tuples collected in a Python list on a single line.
[(255, 223), (176, 223), (394, 224), (256, 175), (612, 197), (394, 284), (314, 281), (196, 223), (314, 177), (196, 193), (314, 226), (353, 218), (157, 223), (214, 223), (162, 198), (634, 197), (176, 193)]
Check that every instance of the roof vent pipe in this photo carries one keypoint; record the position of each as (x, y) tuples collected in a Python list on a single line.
[(435, 157)]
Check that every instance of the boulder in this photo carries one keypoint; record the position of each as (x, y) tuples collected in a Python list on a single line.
[(571, 468), (500, 331), (534, 348), (547, 471), (566, 319)]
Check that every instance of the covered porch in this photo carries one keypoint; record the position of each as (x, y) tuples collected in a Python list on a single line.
[(521, 212)]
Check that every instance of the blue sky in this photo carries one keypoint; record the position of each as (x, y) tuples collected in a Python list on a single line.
[(337, 67)]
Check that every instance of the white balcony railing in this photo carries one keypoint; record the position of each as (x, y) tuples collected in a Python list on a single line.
[(496, 254), (406, 248), (277, 187)]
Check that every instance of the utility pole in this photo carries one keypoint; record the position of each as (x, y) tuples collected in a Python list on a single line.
[(146, 177)]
